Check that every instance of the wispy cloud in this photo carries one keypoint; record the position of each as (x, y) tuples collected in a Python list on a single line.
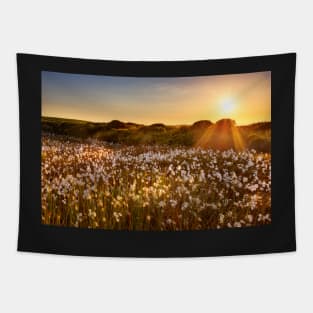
[(170, 100)]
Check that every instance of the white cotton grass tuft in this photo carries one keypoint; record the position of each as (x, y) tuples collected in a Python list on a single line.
[(93, 184)]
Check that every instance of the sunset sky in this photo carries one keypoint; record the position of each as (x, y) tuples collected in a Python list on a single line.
[(245, 98)]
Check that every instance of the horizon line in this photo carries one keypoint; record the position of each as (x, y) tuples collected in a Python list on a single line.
[(87, 121)]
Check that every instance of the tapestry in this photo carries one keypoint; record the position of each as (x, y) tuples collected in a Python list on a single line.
[(156, 159)]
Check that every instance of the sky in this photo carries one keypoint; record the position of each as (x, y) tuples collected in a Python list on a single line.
[(246, 98)]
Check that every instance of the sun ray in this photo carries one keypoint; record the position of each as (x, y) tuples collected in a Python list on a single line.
[(238, 140), (222, 135)]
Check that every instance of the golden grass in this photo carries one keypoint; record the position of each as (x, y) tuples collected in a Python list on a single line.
[(152, 187)]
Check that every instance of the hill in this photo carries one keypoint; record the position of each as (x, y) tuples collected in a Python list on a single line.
[(224, 134)]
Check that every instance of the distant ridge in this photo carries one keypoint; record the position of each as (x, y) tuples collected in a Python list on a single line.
[(195, 124), (224, 134), (201, 124)]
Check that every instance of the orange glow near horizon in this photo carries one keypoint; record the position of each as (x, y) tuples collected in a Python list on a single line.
[(245, 98)]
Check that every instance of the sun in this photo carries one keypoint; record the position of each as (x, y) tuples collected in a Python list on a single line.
[(228, 105)]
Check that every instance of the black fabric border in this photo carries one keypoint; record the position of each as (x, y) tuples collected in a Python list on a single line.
[(279, 236)]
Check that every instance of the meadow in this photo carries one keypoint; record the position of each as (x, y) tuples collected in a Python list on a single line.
[(160, 178)]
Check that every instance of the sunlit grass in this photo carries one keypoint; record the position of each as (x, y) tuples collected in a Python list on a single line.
[(152, 187)]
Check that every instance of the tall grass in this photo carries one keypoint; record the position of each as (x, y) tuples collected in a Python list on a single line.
[(90, 184)]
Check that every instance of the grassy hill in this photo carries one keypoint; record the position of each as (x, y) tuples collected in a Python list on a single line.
[(223, 134)]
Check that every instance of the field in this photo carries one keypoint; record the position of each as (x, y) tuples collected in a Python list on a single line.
[(169, 178)]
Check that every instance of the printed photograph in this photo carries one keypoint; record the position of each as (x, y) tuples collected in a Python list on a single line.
[(156, 153)]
